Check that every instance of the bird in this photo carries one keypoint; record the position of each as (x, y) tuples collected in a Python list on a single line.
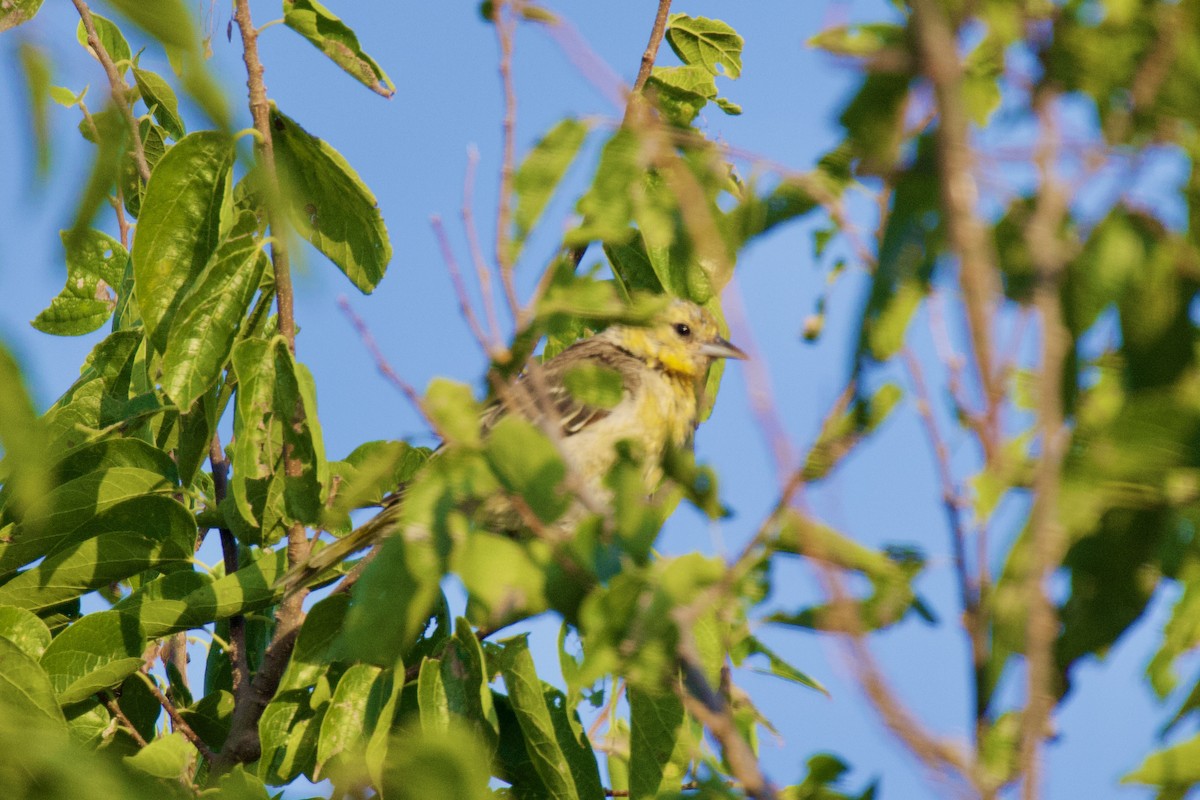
[(662, 367)]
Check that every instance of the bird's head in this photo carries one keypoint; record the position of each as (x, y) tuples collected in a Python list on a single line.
[(683, 340)]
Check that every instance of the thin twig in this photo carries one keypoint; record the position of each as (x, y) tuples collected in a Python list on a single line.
[(974, 623), (650, 54), (381, 363), (115, 709), (460, 286), (1043, 239), (120, 92), (712, 710), (482, 272), (938, 51), (178, 723), (505, 28)]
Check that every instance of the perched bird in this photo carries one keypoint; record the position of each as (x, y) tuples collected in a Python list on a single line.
[(662, 368)]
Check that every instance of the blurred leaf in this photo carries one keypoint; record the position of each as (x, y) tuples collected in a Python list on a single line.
[(97, 652), (211, 312), (369, 474), (392, 601), (1177, 767), (25, 688), (503, 578), (168, 21), (111, 137), (709, 43), (178, 229), (453, 409), (874, 121), (858, 40), (95, 265), (160, 98), (169, 756), (528, 465), (36, 67), (330, 205), (752, 645), (424, 765), (154, 145), (24, 468), (607, 206), (540, 174), (17, 12), (334, 38), (841, 432)]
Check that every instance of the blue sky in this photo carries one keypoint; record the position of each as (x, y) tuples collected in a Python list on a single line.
[(413, 151)]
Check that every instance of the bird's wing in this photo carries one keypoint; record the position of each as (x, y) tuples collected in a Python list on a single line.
[(549, 383)]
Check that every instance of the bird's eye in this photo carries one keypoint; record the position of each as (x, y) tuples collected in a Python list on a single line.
[(682, 329)]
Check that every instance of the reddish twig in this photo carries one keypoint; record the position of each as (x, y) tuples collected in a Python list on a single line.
[(120, 92), (460, 286), (505, 28), (482, 273)]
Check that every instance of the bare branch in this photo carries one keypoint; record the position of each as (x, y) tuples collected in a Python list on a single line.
[(115, 709), (650, 55), (120, 92), (938, 50), (482, 273), (238, 659), (1043, 238), (505, 28), (460, 286)]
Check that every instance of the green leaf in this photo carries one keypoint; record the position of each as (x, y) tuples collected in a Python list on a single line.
[(110, 38), (25, 630), (18, 11), (330, 205), (158, 96), (103, 559), (858, 40), (422, 765), (563, 759), (392, 601), (1177, 766), (453, 409), (154, 145), (502, 578), (709, 43), (841, 432), (345, 726), (431, 697), (539, 175), (97, 652), (273, 391), (165, 20), (681, 93), (211, 312), (317, 644), (334, 38), (95, 264), (780, 668), (528, 464), (659, 744), (36, 69), (170, 756), (607, 206), (25, 468), (594, 385), (179, 226), (25, 688), (210, 717), (874, 121)]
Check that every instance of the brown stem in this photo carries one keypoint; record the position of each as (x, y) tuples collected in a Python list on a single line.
[(115, 709), (460, 285), (712, 710), (968, 588), (242, 744), (938, 51), (120, 92), (505, 27), (482, 273), (1044, 241), (178, 723), (260, 111), (238, 658), (650, 55)]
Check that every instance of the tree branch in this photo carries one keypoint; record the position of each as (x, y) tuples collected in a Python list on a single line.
[(238, 660), (114, 708), (505, 27), (120, 92), (1043, 238), (177, 722), (650, 55), (938, 50)]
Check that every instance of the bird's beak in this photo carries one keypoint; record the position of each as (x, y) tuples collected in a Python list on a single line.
[(722, 348)]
